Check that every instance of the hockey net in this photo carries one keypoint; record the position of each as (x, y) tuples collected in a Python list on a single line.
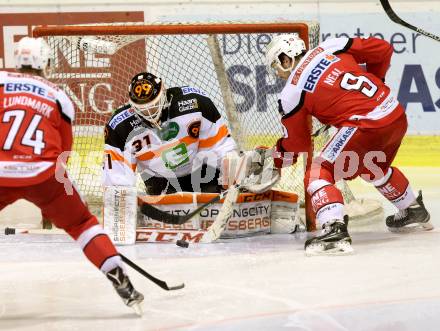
[(94, 65)]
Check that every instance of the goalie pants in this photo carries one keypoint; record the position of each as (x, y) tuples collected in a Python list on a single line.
[(353, 152), (69, 213), (194, 182)]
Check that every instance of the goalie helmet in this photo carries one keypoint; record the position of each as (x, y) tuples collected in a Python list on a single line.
[(148, 96), (32, 53), (289, 44)]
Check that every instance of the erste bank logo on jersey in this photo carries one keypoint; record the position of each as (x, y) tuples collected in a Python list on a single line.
[(188, 89), (120, 118), (317, 71), (28, 88)]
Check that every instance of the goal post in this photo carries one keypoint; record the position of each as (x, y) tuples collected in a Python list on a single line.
[(94, 64)]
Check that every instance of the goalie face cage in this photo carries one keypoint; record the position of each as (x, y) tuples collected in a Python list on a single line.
[(94, 65)]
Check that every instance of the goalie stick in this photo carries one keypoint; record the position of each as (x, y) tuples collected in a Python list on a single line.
[(168, 218), (393, 16), (11, 231), (217, 228)]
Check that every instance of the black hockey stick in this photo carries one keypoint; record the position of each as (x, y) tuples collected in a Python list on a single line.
[(155, 280), (393, 16), (158, 282), (168, 218)]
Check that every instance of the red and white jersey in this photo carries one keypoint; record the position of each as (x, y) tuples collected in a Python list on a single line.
[(330, 84), (35, 127)]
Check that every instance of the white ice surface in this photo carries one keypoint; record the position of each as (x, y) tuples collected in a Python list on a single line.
[(262, 283)]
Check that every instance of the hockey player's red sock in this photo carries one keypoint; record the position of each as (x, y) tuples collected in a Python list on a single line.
[(99, 249), (395, 187), (328, 204)]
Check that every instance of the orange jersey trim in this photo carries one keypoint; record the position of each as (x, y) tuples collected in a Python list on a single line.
[(117, 157), (209, 142), (156, 153)]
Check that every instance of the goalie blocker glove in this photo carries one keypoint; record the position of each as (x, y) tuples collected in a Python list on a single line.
[(265, 174), (253, 170)]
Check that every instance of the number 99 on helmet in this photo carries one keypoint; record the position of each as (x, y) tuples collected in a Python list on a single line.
[(147, 96)]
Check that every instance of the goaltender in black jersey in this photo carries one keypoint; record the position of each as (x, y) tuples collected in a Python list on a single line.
[(175, 138)]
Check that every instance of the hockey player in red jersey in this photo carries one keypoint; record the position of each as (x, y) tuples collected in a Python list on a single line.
[(328, 83), (35, 128)]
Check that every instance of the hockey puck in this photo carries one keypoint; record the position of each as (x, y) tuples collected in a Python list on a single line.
[(9, 231), (182, 243)]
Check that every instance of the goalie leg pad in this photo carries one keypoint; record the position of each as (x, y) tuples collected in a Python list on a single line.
[(120, 213), (285, 218)]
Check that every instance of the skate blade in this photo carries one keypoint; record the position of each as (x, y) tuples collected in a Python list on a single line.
[(340, 248), (137, 308), (415, 227)]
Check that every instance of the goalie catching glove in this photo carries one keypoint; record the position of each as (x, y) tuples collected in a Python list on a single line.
[(254, 170)]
